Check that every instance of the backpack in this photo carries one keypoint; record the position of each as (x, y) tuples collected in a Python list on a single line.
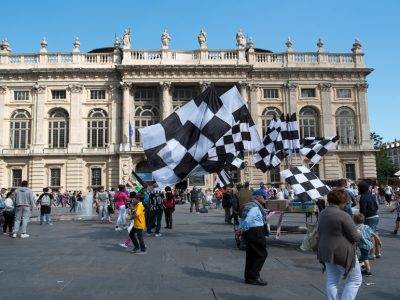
[(45, 200)]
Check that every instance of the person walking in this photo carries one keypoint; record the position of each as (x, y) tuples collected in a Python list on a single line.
[(139, 223), (73, 201), (337, 244), (45, 201), (120, 198), (369, 208), (194, 199), (8, 213), (252, 226), (24, 204), (397, 209), (102, 204), (169, 206), (227, 204), (156, 201)]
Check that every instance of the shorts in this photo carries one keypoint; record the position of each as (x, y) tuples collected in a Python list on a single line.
[(373, 223), (364, 254)]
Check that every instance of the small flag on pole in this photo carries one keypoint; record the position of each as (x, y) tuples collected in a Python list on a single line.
[(130, 133), (135, 181)]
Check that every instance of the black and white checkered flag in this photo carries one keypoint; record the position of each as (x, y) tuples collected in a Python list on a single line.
[(290, 135), (306, 185), (316, 147), (223, 178), (204, 136)]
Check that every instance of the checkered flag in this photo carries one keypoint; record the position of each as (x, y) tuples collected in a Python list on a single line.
[(223, 178), (306, 185), (316, 147), (204, 136), (290, 135)]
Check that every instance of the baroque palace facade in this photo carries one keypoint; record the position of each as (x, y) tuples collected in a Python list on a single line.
[(70, 121)]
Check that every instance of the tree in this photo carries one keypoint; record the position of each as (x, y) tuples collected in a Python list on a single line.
[(384, 166)]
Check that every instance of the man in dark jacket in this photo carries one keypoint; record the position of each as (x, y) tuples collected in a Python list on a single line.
[(369, 208)]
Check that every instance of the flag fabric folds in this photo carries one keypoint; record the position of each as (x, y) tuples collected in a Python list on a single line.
[(306, 185), (316, 147), (223, 178), (135, 182), (281, 140), (130, 133), (206, 135)]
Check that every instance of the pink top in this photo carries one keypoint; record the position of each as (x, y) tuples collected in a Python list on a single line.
[(120, 199)]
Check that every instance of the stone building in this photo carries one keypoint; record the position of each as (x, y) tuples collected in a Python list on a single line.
[(392, 150), (70, 121)]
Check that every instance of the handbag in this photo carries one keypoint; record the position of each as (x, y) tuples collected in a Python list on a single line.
[(110, 209), (311, 240)]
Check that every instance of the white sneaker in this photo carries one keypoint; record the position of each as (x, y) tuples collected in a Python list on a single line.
[(24, 235), (123, 245), (158, 234), (14, 235)]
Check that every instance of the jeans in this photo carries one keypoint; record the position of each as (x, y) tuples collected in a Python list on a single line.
[(45, 212), (228, 215), (103, 211), (195, 203), (155, 220), (139, 233), (335, 274), (22, 213), (168, 216), (121, 216)]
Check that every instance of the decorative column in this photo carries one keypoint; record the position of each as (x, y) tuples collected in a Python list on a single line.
[(364, 137), (113, 95), (38, 116), (166, 100), (126, 86), (327, 120), (76, 126), (3, 138), (254, 104)]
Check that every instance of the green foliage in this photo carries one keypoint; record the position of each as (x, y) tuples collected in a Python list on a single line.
[(376, 139)]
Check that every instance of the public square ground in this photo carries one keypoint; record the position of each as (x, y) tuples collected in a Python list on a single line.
[(197, 259)]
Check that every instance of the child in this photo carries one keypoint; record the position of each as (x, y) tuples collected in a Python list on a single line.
[(130, 212), (136, 233), (397, 208), (366, 242)]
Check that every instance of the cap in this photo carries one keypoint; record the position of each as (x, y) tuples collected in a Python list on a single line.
[(261, 183), (260, 193)]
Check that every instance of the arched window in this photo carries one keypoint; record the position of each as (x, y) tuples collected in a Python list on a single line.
[(97, 129), (267, 115), (20, 128), (345, 125), (58, 128), (309, 123), (145, 115)]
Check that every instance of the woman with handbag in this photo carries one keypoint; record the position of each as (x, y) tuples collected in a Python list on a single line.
[(337, 244), (120, 198), (169, 207)]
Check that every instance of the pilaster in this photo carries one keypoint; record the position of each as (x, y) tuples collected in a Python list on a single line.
[(76, 140), (3, 94), (38, 117), (124, 143), (254, 89), (363, 116), (243, 92), (292, 99), (327, 121)]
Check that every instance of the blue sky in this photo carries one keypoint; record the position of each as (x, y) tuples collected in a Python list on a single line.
[(269, 22)]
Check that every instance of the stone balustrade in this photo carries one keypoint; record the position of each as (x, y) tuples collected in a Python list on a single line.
[(200, 57)]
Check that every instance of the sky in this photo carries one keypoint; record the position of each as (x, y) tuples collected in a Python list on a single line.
[(269, 22)]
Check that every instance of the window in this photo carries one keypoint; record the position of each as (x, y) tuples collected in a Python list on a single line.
[(309, 122), (343, 93), (345, 125), (97, 94), (58, 94), (147, 94), (350, 171), (144, 116), (58, 129), (95, 177), (314, 168), (271, 93), (275, 175), (55, 177), (267, 115), (181, 95), (21, 95), (16, 177), (20, 127), (97, 129), (308, 93)]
